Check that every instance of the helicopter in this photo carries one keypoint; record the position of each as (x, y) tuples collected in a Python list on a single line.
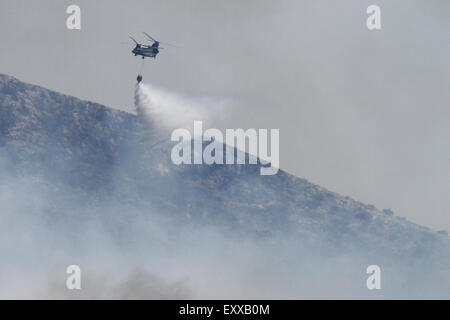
[(144, 50)]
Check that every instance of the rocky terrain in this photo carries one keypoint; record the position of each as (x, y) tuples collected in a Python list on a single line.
[(65, 161)]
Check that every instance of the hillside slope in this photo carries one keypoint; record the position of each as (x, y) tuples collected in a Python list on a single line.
[(77, 159)]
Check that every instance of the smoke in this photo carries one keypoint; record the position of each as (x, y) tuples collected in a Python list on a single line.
[(127, 247), (126, 252)]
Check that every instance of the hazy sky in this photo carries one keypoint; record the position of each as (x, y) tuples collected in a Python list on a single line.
[(362, 113)]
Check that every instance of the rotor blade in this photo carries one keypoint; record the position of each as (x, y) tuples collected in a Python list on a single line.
[(146, 46), (154, 40), (169, 44), (133, 40), (149, 36)]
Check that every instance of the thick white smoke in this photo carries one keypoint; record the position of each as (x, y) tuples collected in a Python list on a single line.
[(136, 251)]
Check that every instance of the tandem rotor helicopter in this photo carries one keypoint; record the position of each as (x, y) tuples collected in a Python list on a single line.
[(146, 50)]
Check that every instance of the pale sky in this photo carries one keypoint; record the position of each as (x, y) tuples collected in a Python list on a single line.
[(362, 113)]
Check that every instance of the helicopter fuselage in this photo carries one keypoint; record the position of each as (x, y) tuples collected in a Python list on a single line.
[(146, 51)]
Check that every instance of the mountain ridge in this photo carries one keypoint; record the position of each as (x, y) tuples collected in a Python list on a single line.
[(79, 152), (98, 111)]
